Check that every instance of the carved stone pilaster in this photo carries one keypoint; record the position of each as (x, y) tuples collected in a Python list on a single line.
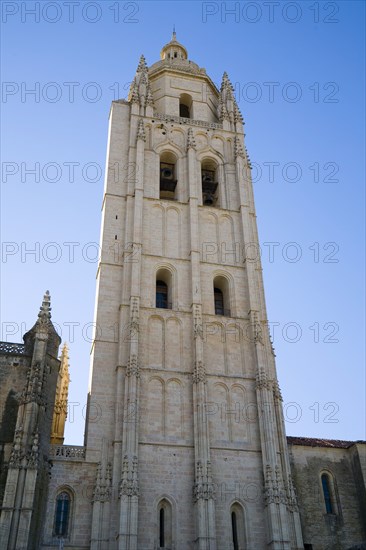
[(197, 322), (133, 368), (191, 142), (135, 315), (262, 381), (273, 490), (129, 485), (103, 484), (257, 329), (17, 452), (203, 488), (141, 135), (199, 372), (33, 389), (33, 457), (291, 495)]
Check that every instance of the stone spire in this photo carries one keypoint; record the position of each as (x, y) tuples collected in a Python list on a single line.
[(43, 326), (44, 315), (228, 109), (62, 392), (140, 93)]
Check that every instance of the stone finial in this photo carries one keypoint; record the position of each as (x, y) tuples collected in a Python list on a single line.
[(44, 314), (142, 67), (64, 369), (228, 107), (65, 352)]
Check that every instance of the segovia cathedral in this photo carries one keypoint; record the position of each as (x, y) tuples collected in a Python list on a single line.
[(190, 451)]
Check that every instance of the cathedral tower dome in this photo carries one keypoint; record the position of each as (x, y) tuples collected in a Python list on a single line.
[(174, 50)]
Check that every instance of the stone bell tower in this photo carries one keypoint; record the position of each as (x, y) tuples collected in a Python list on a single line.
[(185, 417)]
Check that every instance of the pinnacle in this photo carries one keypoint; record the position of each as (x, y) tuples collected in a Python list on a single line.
[(142, 64), (45, 309)]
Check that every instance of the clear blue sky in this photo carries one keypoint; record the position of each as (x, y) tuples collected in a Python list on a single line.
[(298, 72)]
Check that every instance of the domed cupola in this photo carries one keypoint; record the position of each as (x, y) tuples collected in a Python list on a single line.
[(173, 50)]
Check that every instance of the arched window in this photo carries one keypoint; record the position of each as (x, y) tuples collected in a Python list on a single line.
[(329, 493), (221, 296), (209, 183), (163, 294), (219, 302), (165, 535), (162, 528), (62, 514), (168, 179), (185, 104), (238, 527), (234, 527)]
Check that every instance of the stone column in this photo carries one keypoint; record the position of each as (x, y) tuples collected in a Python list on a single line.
[(129, 486), (271, 430), (203, 487), (21, 517)]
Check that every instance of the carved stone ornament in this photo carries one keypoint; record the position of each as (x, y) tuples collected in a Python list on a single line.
[(204, 488), (277, 391), (199, 372), (33, 458), (262, 381), (103, 484), (191, 142), (16, 453), (141, 135), (133, 368), (238, 148), (273, 490), (197, 322), (129, 485)]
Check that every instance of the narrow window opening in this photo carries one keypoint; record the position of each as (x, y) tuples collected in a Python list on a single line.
[(184, 111), (185, 106), (209, 183), (308, 546), (327, 494), (115, 237), (219, 302), (161, 529), (62, 514), (168, 180), (116, 217), (235, 531), (175, 54), (162, 295)]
